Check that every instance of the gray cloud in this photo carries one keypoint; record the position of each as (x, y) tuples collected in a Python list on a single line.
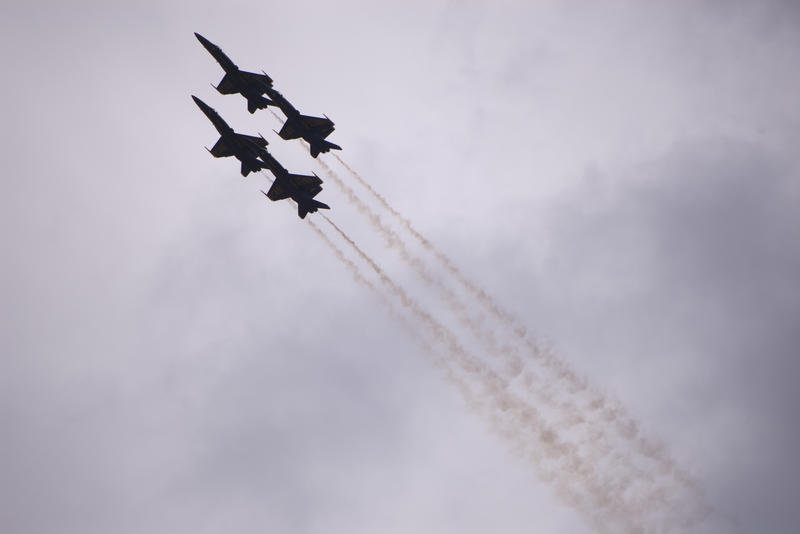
[(697, 254), (179, 356)]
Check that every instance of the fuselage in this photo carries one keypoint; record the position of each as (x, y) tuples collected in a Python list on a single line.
[(279, 100), (225, 62), (218, 122), (272, 164)]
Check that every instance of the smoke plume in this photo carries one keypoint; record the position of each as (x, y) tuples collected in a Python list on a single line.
[(580, 441)]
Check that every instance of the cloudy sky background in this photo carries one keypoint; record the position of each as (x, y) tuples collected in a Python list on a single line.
[(180, 355)]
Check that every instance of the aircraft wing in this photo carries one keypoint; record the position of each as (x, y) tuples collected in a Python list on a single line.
[(258, 141), (311, 185), (226, 86), (221, 149), (322, 126), (255, 77), (289, 131), (277, 191)]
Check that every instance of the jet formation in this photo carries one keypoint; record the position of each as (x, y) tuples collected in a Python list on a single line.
[(254, 86), (251, 151)]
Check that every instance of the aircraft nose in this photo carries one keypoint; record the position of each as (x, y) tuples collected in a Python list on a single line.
[(205, 42), (202, 105)]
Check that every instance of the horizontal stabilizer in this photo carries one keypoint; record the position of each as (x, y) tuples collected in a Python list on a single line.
[(320, 205), (251, 165), (255, 103), (322, 146), (307, 205)]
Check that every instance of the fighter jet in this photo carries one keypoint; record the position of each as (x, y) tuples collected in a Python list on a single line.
[(245, 148), (248, 84), (313, 129), (300, 188)]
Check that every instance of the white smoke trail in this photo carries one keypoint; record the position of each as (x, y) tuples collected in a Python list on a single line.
[(414, 333), (618, 498), (507, 427), (395, 242), (597, 403), (557, 461), (594, 426)]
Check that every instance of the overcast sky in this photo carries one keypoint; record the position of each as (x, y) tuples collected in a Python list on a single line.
[(180, 355)]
